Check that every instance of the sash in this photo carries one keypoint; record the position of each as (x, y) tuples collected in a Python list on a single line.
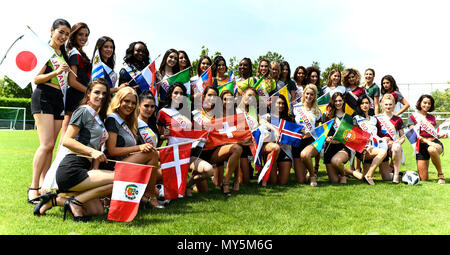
[(200, 119), (365, 125), (147, 133), (387, 125), (298, 110), (184, 122), (112, 75), (62, 78), (100, 122), (298, 94), (131, 72), (123, 124), (424, 124)]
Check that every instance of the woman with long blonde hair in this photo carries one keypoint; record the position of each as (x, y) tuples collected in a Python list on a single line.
[(122, 127)]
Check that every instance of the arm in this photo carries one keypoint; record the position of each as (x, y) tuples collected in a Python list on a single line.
[(404, 108), (75, 146), (377, 104), (42, 78), (402, 136), (115, 151), (73, 80)]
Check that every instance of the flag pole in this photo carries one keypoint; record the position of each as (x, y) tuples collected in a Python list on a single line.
[(178, 144), (132, 79), (173, 75), (3, 59), (89, 157)]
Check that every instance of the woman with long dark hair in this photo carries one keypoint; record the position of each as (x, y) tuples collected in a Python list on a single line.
[(389, 86), (137, 57)]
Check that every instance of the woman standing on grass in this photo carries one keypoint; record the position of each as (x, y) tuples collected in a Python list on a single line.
[(218, 71), (374, 154), (80, 65), (389, 86), (47, 104), (390, 126), (337, 154), (268, 83), (333, 83), (184, 61), (246, 78), (372, 90), (137, 57), (307, 115), (169, 66), (122, 127), (79, 176), (430, 146), (285, 78), (300, 80)]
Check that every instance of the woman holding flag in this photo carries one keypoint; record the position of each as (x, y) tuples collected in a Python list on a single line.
[(430, 147), (174, 122), (376, 151), (137, 57), (307, 114), (389, 127), (337, 154), (47, 104), (246, 75), (184, 61), (169, 66), (219, 69), (268, 83), (122, 127)]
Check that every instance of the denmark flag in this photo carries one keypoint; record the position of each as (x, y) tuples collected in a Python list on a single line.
[(130, 182), (175, 166), (25, 58)]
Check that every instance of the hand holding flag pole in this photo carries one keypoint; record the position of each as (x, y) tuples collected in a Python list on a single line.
[(132, 79)]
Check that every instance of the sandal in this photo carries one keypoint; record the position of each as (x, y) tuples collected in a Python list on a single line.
[(44, 199), (35, 200), (313, 181), (228, 193), (149, 204), (368, 180), (67, 207), (441, 179)]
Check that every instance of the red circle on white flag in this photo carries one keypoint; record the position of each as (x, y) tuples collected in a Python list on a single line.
[(26, 61)]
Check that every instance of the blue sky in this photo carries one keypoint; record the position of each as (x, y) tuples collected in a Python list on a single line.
[(408, 39)]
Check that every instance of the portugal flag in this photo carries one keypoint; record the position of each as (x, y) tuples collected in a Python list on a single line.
[(351, 136), (25, 58), (130, 181)]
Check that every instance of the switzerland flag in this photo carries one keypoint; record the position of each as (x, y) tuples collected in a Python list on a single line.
[(25, 58), (228, 130)]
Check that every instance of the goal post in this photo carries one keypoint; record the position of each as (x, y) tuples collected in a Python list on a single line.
[(12, 118)]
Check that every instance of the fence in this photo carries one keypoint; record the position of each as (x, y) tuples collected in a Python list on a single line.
[(412, 91)]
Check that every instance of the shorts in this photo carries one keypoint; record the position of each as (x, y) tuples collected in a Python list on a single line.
[(48, 100), (73, 99), (282, 156), (332, 150), (423, 150), (303, 143), (71, 171), (107, 166), (246, 152)]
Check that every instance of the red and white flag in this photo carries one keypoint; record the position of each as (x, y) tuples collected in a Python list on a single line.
[(175, 166), (228, 130), (130, 182), (265, 172), (25, 58)]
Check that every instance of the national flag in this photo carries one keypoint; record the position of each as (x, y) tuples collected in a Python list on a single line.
[(413, 138), (177, 135), (175, 161), (228, 130), (290, 132), (322, 133), (444, 127), (204, 80), (228, 86), (284, 91), (260, 89), (265, 172), (25, 58), (231, 76), (101, 70), (350, 135), (351, 102), (323, 108), (146, 79), (183, 77), (258, 139), (130, 182), (324, 99)]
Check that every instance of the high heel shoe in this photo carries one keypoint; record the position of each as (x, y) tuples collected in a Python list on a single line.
[(35, 200), (74, 201), (45, 198), (148, 204), (228, 193)]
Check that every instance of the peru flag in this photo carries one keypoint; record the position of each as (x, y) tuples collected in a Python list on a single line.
[(228, 130), (175, 161), (25, 58), (130, 182)]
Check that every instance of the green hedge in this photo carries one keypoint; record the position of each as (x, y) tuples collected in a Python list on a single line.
[(18, 102)]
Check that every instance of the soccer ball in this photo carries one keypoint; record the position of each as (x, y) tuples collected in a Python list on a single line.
[(411, 178)]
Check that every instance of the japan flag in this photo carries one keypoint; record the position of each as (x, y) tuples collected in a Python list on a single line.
[(25, 58)]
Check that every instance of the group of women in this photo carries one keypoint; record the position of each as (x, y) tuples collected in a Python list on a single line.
[(97, 123)]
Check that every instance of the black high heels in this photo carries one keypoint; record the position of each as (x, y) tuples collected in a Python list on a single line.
[(43, 199), (74, 201), (35, 200)]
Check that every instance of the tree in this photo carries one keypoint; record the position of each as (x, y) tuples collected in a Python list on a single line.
[(8, 88), (441, 102), (270, 56), (324, 76)]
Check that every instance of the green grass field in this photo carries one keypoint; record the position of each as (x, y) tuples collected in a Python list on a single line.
[(294, 209)]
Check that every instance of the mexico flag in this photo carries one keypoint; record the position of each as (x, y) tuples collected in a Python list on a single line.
[(130, 182), (25, 58), (175, 161), (351, 136), (228, 130)]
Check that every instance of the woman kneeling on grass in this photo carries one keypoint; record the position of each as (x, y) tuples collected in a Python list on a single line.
[(389, 127), (373, 155), (78, 175), (430, 146), (122, 127), (337, 154)]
